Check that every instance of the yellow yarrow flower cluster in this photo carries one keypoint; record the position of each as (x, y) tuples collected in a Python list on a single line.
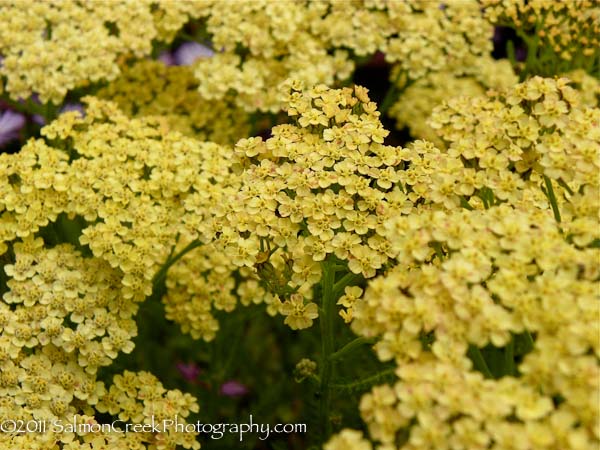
[(510, 141), (490, 274), (62, 318), (348, 439), (200, 281), (320, 189), (587, 85), (170, 94), (89, 214), (417, 36), (128, 179), (51, 288), (502, 272), (149, 193), (417, 101), (276, 41), (569, 29), (431, 36), (260, 44), (51, 47), (140, 398), (137, 400)]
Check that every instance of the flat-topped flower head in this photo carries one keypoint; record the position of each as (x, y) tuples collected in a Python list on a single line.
[(497, 257), (517, 142), (261, 44), (418, 100), (317, 189), (52, 47), (483, 279), (170, 95), (140, 398)]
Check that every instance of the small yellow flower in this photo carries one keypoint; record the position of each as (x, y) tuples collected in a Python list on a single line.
[(299, 315), (348, 300), (346, 439)]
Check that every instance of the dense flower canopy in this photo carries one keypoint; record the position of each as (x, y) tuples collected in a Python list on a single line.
[(49, 48)]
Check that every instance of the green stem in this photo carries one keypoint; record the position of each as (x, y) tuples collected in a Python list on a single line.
[(326, 323), (50, 112), (437, 246), (510, 52), (562, 183), (162, 273), (234, 340), (365, 383), (465, 204), (532, 42), (478, 361), (350, 346), (552, 198), (340, 267), (392, 94), (509, 358), (529, 341), (346, 280), (253, 119)]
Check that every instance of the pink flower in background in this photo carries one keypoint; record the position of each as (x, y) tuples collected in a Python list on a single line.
[(189, 52), (189, 371), (10, 124), (233, 388)]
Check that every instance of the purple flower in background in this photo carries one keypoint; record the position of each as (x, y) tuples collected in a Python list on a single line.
[(167, 58), (10, 124), (521, 53), (189, 52), (233, 388), (38, 119), (73, 107), (189, 371)]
